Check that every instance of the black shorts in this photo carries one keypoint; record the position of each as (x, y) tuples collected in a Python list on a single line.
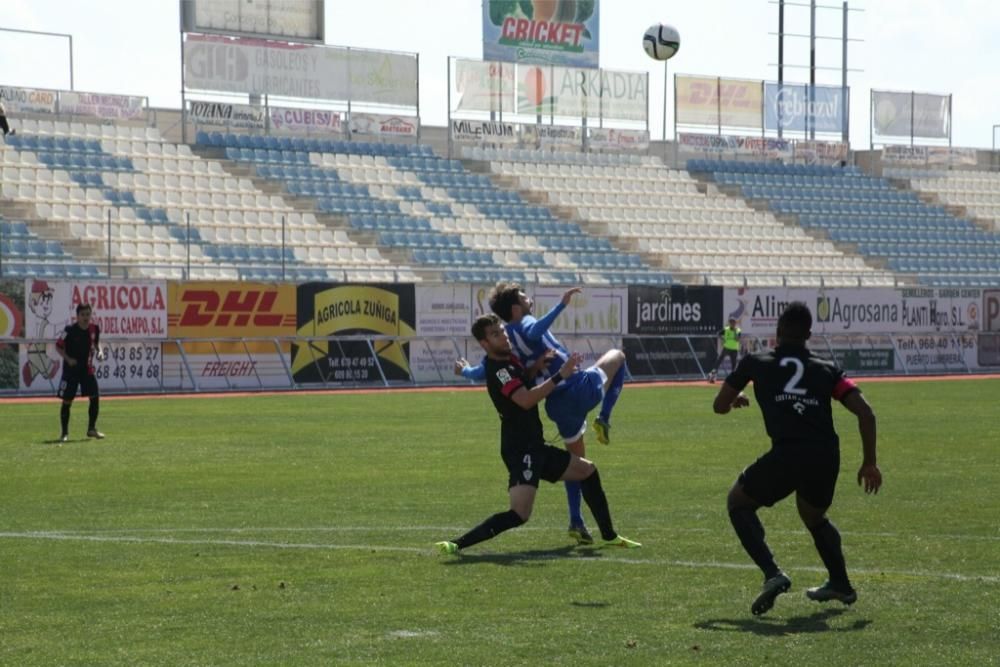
[(528, 466), (812, 473), (87, 386)]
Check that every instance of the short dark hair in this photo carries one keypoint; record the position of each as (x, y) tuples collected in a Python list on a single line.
[(795, 323), (503, 298), (482, 323), (82, 307)]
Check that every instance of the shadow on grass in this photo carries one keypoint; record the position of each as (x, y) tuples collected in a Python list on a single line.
[(533, 557), (813, 623), (590, 605)]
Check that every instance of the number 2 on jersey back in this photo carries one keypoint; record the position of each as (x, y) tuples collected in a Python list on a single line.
[(792, 386)]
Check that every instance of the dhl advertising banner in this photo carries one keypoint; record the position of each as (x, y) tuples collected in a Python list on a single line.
[(714, 101), (330, 310), (550, 32), (11, 326), (132, 317), (220, 310)]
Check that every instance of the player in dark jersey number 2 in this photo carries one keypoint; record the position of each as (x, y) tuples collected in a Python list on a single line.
[(78, 346), (522, 443), (794, 390)]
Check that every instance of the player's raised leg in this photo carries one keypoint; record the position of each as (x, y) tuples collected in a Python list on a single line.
[(614, 367), (586, 473), (826, 537)]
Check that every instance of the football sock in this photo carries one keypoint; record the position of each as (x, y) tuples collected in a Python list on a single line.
[(612, 394), (573, 498), (490, 528), (92, 413), (593, 495), (827, 540), (64, 417), (751, 533)]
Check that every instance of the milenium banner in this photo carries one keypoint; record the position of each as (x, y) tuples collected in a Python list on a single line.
[(550, 32)]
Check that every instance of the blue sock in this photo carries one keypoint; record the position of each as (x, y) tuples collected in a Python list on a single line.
[(612, 394), (573, 497)]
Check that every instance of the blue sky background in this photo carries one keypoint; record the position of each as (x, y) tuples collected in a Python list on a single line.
[(940, 46)]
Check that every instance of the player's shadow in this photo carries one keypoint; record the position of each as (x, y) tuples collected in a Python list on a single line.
[(59, 442), (797, 625), (531, 558)]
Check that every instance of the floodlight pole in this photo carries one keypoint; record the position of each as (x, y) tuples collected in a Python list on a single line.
[(781, 58), (995, 137), (50, 34), (665, 81)]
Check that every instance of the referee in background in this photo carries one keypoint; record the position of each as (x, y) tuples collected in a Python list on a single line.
[(730, 348)]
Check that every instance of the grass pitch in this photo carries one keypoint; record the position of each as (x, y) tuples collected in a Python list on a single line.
[(298, 530)]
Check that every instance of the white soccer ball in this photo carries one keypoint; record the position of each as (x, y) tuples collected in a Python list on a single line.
[(661, 41)]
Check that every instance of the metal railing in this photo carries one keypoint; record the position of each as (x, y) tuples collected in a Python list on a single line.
[(136, 366)]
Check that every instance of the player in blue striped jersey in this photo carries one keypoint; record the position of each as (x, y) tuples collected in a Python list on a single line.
[(536, 347)]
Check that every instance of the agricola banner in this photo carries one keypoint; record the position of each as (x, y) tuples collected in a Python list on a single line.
[(550, 32)]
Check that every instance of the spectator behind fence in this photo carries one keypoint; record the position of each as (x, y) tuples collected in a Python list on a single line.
[(3, 121)]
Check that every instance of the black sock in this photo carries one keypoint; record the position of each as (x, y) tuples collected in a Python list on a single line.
[(94, 409), (593, 495), (490, 528), (751, 533), (64, 418), (827, 540)]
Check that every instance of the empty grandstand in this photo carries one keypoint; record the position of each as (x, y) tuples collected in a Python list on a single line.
[(921, 242)]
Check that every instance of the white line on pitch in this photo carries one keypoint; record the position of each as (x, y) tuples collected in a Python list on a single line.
[(376, 529), (513, 556)]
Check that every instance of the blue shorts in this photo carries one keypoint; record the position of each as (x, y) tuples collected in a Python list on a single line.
[(570, 402)]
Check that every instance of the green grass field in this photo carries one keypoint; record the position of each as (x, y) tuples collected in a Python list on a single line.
[(298, 530)]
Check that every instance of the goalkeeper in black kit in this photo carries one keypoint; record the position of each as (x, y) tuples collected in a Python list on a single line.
[(79, 346)]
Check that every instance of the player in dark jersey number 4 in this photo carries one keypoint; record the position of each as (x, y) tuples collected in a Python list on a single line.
[(522, 443), (78, 346), (794, 390)]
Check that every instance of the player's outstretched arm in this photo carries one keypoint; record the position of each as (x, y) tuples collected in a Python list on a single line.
[(535, 329), (869, 475), (529, 398), (470, 372)]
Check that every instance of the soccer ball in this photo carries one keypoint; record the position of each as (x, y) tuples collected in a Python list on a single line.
[(661, 41)]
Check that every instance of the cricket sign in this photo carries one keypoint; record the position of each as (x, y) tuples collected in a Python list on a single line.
[(550, 32)]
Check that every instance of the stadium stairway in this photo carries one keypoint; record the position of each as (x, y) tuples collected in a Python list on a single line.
[(697, 232), (431, 212), (966, 194), (70, 178), (382, 264), (838, 192), (922, 243)]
